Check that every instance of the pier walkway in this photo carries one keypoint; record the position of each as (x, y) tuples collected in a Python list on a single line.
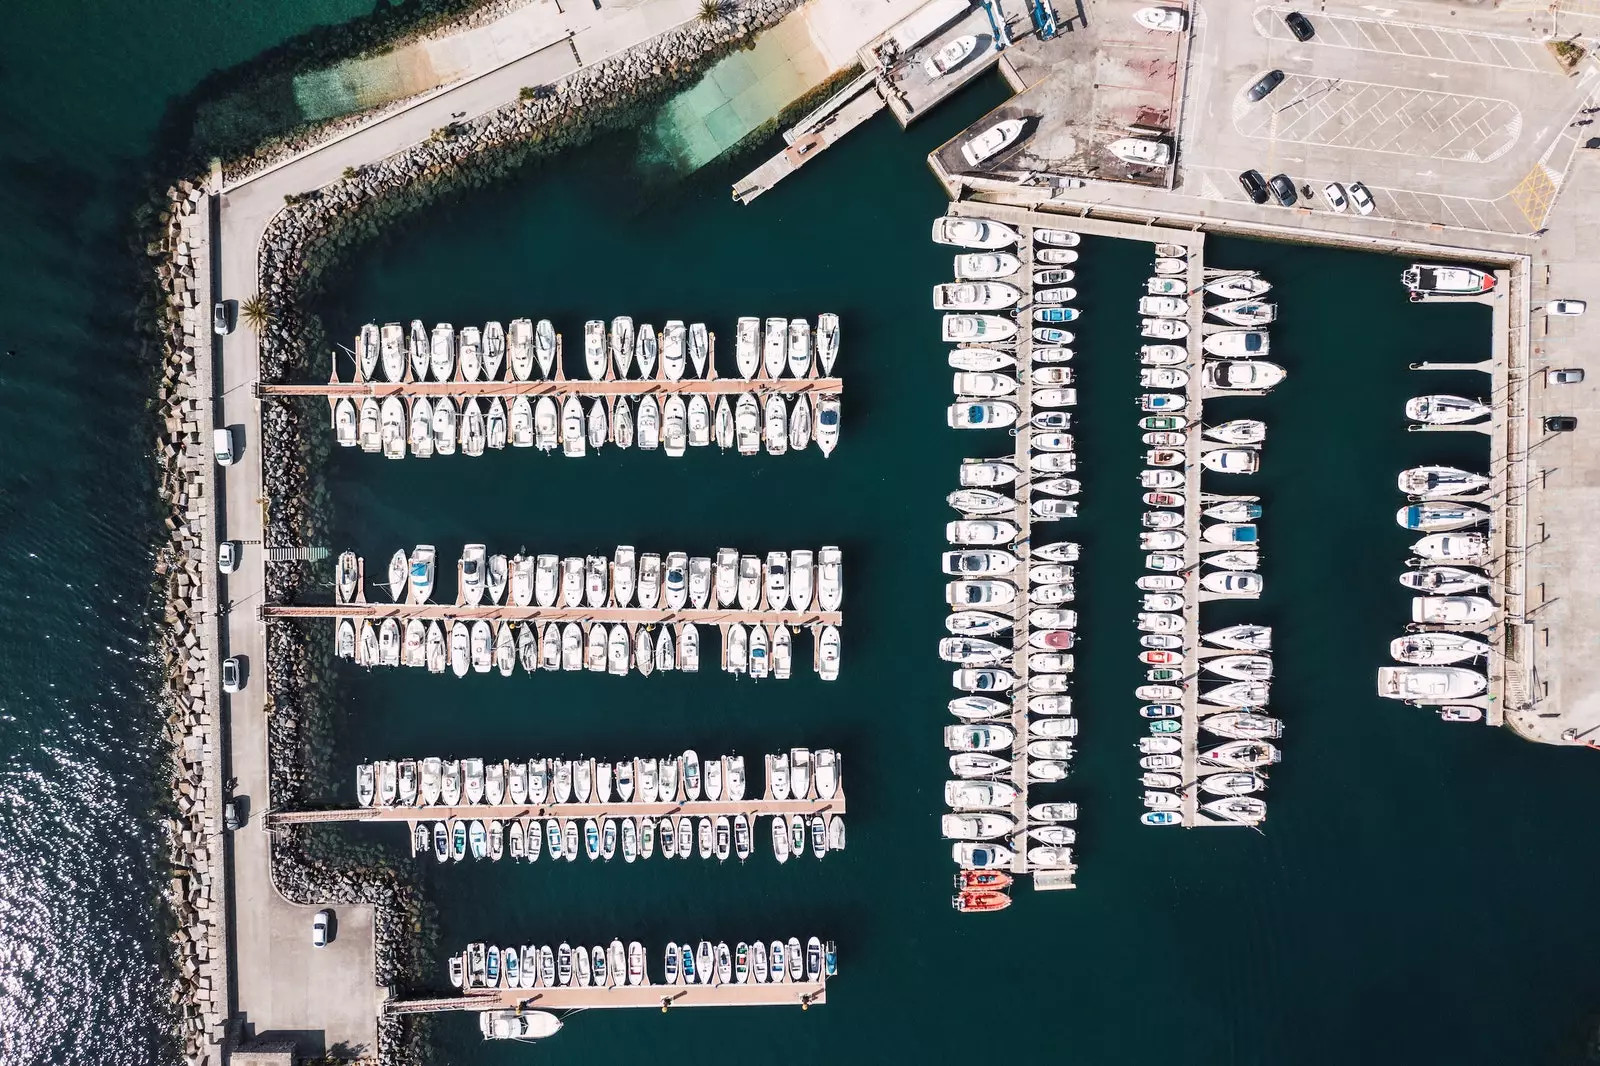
[(806, 143), (512, 613), (660, 997), (752, 808), (570, 387)]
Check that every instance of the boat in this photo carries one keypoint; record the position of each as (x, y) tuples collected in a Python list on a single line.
[(1055, 315), (1140, 151), (1231, 460), (980, 266), (1242, 725), (976, 329), (623, 344), (1452, 610), (1244, 312), (1065, 294), (1238, 694), (699, 348), (1232, 784), (1440, 482), (1246, 810), (646, 348), (1441, 517), (1162, 401), (1055, 256), (1437, 648), (1235, 560), (1243, 667), (1444, 580), (981, 502), (773, 345), (965, 296), (1434, 279), (747, 354), (975, 826), (1163, 306), (1444, 410), (991, 142), (1244, 637), (1460, 713), (1238, 286), (1237, 343), (974, 233), (1051, 335), (1242, 375), (1452, 547), (673, 358)]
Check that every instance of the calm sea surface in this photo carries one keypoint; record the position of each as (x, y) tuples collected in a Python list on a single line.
[(1421, 894)]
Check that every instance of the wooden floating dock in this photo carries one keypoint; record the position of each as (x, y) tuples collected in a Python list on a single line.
[(752, 808), (615, 387), (801, 994)]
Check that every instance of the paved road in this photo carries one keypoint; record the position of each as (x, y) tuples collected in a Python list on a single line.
[(283, 984)]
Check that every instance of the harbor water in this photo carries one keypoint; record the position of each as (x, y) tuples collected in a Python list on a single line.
[(1421, 892)]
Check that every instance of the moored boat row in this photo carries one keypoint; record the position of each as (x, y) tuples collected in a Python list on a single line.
[(424, 426)]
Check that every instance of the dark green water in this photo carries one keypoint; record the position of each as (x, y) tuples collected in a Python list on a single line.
[(1422, 893)]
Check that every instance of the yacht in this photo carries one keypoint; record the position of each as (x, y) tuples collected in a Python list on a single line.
[(975, 296), (647, 424), (1437, 648), (799, 348), (991, 142), (1440, 482), (980, 532), (442, 352), (747, 424), (1238, 286), (1140, 151), (519, 341), (645, 349), (1452, 610), (1444, 580), (520, 428), (993, 414), (420, 573), (982, 681), (496, 575), (776, 581), (976, 826), (672, 341), (1433, 279), (986, 266), (594, 348), (1237, 343), (546, 424), (772, 346), (747, 354), (1441, 516), (979, 563), (1441, 410), (979, 329), (623, 343)]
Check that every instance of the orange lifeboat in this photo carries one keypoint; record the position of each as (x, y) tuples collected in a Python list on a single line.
[(991, 879), (981, 899)]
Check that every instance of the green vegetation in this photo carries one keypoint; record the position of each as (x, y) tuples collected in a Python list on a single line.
[(255, 313), (1568, 53), (712, 10)]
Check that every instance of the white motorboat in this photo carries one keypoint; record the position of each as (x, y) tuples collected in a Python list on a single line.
[(1160, 19), (1232, 583), (986, 266), (975, 233), (979, 795), (983, 385), (1452, 610), (1051, 354), (1244, 312), (1141, 151), (973, 651), (674, 426), (986, 826), (991, 142), (1166, 329), (830, 578), (520, 431), (772, 346), (346, 430), (1433, 279), (547, 424), (988, 680), (392, 428), (469, 353), (594, 348), (1243, 374), (978, 473), (973, 296), (798, 349), (1437, 648), (747, 351), (1231, 460), (747, 424), (699, 420), (420, 573), (977, 329), (1238, 286), (995, 414), (494, 424), (1237, 343), (951, 55), (825, 427), (442, 352), (978, 708), (1452, 547), (1429, 684), (981, 532), (474, 561), (673, 357), (1163, 306), (472, 430), (622, 423), (1163, 377), (519, 349), (1440, 482), (775, 425)]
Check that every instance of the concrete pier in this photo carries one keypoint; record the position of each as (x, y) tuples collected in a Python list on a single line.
[(660, 997)]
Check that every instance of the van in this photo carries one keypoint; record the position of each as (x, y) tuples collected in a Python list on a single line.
[(222, 444)]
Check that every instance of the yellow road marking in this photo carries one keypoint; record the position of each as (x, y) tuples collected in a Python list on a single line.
[(1534, 194)]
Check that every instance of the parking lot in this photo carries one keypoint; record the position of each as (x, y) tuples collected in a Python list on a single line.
[(1467, 126)]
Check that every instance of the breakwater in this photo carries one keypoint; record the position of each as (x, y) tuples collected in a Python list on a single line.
[(312, 865)]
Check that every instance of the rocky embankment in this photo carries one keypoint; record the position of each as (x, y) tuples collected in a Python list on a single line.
[(185, 574)]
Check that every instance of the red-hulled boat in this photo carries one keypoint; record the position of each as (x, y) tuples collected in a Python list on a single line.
[(980, 899), (991, 879)]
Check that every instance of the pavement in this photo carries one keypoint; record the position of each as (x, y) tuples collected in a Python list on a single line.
[(327, 998)]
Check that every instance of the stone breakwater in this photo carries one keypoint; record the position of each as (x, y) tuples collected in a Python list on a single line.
[(186, 574)]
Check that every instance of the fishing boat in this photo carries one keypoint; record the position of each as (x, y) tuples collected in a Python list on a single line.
[(1433, 279), (1443, 410)]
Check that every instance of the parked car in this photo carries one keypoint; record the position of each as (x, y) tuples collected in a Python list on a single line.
[(1255, 186), (322, 928), (1560, 424), (232, 674), (1264, 85), (1361, 197), (1567, 307), (1333, 192), (222, 445), (230, 815), (1283, 190), (221, 318), (228, 556), (1568, 376), (1299, 25)]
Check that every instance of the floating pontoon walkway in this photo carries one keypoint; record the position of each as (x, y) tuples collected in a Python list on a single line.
[(752, 808), (510, 613), (801, 994)]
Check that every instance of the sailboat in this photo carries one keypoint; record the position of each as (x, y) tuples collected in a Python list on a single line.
[(544, 346), (699, 348)]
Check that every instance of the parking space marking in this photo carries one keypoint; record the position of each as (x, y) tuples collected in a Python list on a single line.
[(1382, 118), (1534, 194), (1504, 215), (1414, 39)]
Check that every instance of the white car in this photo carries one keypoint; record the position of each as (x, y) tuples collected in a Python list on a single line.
[(1567, 307), (232, 674), (1333, 192), (222, 446), (1361, 197), (321, 927), (228, 556)]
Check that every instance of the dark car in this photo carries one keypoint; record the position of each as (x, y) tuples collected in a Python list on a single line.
[(1255, 186), (1299, 25), (1560, 424), (1265, 84), (1283, 190)]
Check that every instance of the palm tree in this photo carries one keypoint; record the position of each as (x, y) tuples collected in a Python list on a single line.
[(255, 313), (712, 10)]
